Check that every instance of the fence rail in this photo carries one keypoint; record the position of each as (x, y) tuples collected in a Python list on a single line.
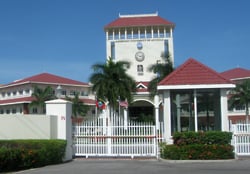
[(241, 139), (96, 138)]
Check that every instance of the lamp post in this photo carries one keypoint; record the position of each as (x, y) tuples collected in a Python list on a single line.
[(58, 91)]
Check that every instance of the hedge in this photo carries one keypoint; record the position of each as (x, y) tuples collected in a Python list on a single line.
[(197, 151), (210, 137), (24, 154), (211, 145)]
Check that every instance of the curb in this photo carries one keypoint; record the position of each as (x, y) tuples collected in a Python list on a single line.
[(195, 161)]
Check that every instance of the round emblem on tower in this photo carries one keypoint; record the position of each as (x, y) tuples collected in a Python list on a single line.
[(139, 45), (139, 56)]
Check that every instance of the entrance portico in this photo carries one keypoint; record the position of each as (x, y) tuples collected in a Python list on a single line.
[(194, 99)]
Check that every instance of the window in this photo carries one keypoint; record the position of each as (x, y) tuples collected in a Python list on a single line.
[(3, 94), (64, 92), (166, 50), (20, 92), (184, 117), (27, 91), (73, 93), (84, 93), (13, 110), (14, 93), (140, 69), (113, 50), (34, 110)]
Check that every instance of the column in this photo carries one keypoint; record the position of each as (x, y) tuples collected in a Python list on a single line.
[(156, 105), (195, 111), (224, 116), (167, 117), (63, 110)]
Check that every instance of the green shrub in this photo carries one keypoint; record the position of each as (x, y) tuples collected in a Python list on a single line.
[(23, 154), (197, 151), (199, 145), (210, 137)]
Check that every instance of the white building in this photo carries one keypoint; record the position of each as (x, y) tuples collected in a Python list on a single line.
[(237, 75), (15, 97), (141, 40)]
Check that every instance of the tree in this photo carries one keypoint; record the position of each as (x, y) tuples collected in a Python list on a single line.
[(241, 96), (78, 107), (161, 69), (41, 95), (111, 82)]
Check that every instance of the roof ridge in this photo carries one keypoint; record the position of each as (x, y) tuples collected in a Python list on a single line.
[(138, 15), (47, 78)]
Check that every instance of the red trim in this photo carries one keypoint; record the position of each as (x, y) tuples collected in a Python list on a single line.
[(17, 100), (236, 118)]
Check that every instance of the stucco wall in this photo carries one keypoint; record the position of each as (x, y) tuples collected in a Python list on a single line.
[(28, 127)]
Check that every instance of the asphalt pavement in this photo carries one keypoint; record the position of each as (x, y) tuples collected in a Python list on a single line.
[(143, 166)]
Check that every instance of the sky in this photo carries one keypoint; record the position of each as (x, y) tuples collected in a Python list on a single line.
[(66, 37)]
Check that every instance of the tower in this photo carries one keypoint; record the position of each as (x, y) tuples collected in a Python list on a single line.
[(140, 39)]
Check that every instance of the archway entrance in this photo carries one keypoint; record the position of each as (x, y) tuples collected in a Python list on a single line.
[(142, 111)]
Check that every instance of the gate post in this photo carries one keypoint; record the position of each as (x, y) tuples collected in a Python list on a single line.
[(63, 110)]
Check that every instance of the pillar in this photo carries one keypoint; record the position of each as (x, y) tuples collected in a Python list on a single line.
[(156, 105), (167, 117), (224, 117), (63, 110)]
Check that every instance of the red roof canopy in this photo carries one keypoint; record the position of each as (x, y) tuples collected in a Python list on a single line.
[(139, 21), (236, 73), (193, 72), (48, 78)]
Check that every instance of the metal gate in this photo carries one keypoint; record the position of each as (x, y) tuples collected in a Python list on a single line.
[(241, 139), (101, 137)]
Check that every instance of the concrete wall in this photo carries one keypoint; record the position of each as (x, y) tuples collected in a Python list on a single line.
[(28, 127)]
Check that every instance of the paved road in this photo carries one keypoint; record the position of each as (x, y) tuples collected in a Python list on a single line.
[(108, 166)]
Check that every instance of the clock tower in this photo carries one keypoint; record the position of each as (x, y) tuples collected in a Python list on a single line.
[(141, 40)]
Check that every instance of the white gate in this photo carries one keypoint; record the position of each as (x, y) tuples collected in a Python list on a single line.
[(241, 139), (115, 138)]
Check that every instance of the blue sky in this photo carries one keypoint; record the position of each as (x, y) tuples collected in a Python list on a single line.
[(66, 37)]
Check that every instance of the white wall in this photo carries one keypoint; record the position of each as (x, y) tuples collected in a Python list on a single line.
[(28, 127), (152, 49)]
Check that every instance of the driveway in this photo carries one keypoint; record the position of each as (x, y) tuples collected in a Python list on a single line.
[(113, 166)]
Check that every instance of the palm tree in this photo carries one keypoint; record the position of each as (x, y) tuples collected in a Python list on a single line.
[(241, 96), (41, 95), (111, 82), (161, 70), (78, 107)]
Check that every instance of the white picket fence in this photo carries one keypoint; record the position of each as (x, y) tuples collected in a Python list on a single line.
[(116, 138), (241, 139)]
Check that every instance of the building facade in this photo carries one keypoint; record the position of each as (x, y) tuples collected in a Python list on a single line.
[(237, 114), (194, 99), (15, 97), (142, 40)]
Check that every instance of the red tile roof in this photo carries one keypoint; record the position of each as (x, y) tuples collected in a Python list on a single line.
[(236, 73), (88, 101), (193, 72), (139, 21), (30, 99), (17, 100), (48, 78)]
